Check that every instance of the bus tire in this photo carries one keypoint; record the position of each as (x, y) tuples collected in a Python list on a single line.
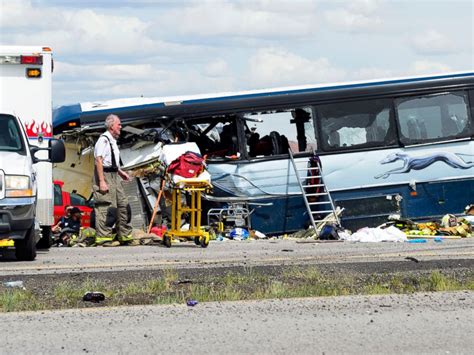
[(46, 240), (25, 249)]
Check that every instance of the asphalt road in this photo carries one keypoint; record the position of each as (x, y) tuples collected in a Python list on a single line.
[(435, 323), (230, 254)]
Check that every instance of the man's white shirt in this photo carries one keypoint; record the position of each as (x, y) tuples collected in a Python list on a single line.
[(102, 149)]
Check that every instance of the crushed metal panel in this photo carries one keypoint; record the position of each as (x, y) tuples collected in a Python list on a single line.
[(137, 156)]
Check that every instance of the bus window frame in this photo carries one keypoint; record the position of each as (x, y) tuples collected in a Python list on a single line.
[(366, 147), (425, 141), (244, 154), (470, 94)]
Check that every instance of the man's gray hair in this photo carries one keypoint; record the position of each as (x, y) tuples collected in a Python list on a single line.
[(109, 121)]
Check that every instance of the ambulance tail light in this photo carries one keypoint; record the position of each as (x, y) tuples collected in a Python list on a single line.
[(32, 59)]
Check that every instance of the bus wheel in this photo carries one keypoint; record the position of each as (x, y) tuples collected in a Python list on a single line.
[(46, 238), (25, 249)]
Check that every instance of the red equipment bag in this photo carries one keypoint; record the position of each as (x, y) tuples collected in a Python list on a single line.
[(187, 165)]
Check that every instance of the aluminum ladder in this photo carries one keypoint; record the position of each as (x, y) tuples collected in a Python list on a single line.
[(316, 196)]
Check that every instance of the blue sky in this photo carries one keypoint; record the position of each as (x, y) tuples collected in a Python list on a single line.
[(118, 48)]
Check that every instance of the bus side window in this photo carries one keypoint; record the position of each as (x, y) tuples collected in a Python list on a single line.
[(434, 117), (358, 124), (412, 127), (274, 133), (333, 139)]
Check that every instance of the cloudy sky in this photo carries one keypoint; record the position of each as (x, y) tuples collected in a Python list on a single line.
[(106, 49)]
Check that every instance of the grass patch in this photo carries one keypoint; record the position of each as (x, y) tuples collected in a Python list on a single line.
[(295, 282), (14, 300)]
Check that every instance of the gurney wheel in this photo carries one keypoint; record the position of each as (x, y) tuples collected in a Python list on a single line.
[(197, 241), (167, 241), (204, 242)]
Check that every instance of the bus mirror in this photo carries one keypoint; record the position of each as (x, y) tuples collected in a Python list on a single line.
[(57, 151)]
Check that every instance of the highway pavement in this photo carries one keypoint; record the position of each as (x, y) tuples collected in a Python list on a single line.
[(234, 253)]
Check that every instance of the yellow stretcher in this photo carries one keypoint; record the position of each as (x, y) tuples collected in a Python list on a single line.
[(194, 188)]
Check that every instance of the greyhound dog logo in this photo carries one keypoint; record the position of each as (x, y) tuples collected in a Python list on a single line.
[(421, 162)]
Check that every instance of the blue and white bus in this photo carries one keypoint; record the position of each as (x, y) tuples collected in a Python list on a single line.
[(401, 146)]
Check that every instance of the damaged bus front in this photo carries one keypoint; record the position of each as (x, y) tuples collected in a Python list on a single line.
[(399, 146)]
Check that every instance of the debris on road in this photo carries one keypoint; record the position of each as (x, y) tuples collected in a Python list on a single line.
[(14, 284), (191, 303), (417, 240), (365, 235), (449, 226), (94, 297), (182, 282), (239, 234)]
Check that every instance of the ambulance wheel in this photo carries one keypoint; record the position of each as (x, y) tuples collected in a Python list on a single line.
[(25, 249), (167, 241), (204, 242), (46, 240), (197, 241)]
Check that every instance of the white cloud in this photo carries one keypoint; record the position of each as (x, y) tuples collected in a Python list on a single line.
[(288, 8), (358, 16), (432, 42), (75, 83), (242, 19), (21, 14), (80, 31), (217, 67), (373, 73), (364, 6), (108, 49), (429, 67), (116, 72), (109, 34), (278, 67)]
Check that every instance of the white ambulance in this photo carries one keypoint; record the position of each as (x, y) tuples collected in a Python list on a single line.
[(27, 149)]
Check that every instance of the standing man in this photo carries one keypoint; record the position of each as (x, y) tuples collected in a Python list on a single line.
[(109, 197)]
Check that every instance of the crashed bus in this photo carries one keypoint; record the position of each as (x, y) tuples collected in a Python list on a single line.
[(398, 146)]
